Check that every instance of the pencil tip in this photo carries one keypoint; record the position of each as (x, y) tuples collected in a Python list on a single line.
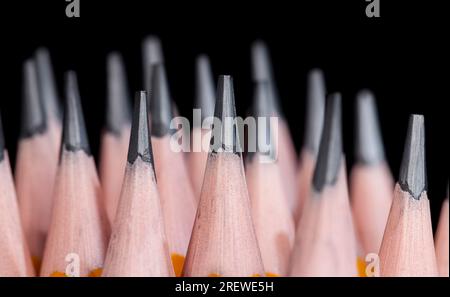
[(330, 150), (47, 84), (33, 114), (413, 177), (160, 103), (2, 140), (74, 131), (140, 145), (225, 138), (204, 97), (369, 144), (315, 110), (118, 109), (152, 55)]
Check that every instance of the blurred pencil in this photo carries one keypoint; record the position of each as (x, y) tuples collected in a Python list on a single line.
[(371, 183), (315, 111), (138, 245), (37, 154), (407, 248), (325, 243), (116, 135), (174, 186), (287, 156), (204, 100), (274, 225), (441, 240), (151, 55), (79, 227), (15, 257), (223, 241)]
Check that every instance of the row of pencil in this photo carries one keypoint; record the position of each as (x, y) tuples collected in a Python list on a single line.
[(157, 212)]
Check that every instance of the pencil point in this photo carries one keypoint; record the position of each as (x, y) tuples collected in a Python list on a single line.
[(160, 103), (315, 110), (225, 138), (74, 131), (413, 177), (33, 114), (152, 55), (140, 145), (369, 144), (47, 85), (118, 109), (330, 150), (204, 97), (2, 140), (262, 70)]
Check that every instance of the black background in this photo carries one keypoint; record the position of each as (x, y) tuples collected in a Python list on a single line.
[(398, 56)]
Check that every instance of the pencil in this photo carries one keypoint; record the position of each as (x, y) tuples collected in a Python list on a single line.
[(204, 100), (116, 134), (138, 245), (407, 248), (223, 241), (287, 156), (274, 224), (441, 240), (77, 237), (37, 154), (174, 186), (15, 259), (325, 241), (371, 183), (151, 55), (315, 111)]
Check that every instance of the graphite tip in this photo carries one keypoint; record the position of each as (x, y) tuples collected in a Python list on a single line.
[(330, 150), (118, 109), (225, 137), (315, 110), (160, 104), (413, 178), (140, 145), (47, 84), (152, 54), (369, 144), (74, 130), (33, 114), (2, 141), (204, 87)]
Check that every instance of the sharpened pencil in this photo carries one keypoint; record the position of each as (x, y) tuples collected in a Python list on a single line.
[(325, 241), (441, 240), (15, 257), (79, 229), (116, 135), (274, 224), (174, 186), (138, 245), (223, 241), (407, 248), (287, 156), (37, 154)]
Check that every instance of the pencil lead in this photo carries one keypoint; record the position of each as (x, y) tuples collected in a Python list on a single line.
[(204, 97), (413, 177), (160, 104), (140, 145), (152, 55), (118, 109), (33, 117), (262, 70), (369, 144), (225, 138), (2, 140), (330, 150), (47, 84), (315, 110), (74, 131)]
